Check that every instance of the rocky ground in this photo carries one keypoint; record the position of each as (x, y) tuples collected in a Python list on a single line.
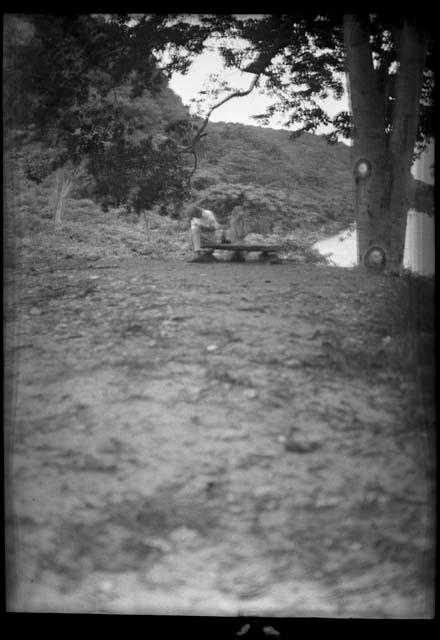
[(214, 439)]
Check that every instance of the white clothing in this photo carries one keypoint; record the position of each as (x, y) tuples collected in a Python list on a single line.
[(207, 221)]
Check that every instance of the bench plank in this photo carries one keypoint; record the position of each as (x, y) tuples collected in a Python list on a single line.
[(241, 247)]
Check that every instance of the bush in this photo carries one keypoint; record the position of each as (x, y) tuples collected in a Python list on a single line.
[(139, 175), (40, 164), (84, 187), (263, 207)]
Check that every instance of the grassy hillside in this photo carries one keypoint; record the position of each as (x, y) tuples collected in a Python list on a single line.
[(285, 183), (306, 182), (289, 188), (270, 157), (90, 234)]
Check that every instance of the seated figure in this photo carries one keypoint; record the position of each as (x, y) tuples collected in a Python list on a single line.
[(205, 228), (237, 231), (237, 225)]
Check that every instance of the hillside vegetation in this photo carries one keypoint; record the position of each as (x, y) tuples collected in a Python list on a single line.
[(306, 181), (289, 183), (285, 186)]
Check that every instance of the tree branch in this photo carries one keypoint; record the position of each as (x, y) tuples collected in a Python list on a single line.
[(257, 68), (194, 153), (234, 94), (284, 27), (190, 148)]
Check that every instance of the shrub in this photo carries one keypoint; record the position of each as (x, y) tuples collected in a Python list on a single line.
[(139, 175), (40, 163), (263, 207)]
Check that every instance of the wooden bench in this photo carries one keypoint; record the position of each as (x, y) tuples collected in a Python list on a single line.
[(267, 251)]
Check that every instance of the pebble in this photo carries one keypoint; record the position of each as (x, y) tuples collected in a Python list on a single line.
[(35, 311), (211, 347), (293, 363), (263, 491), (184, 535), (302, 445), (156, 543), (349, 342), (327, 502), (231, 434), (236, 508)]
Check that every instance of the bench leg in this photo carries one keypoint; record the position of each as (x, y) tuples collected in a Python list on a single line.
[(269, 256), (238, 256)]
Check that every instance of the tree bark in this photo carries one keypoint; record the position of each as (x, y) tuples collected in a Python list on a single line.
[(63, 187), (369, 139), (382, 197), (412, 52), (64, 182), (147, 224)]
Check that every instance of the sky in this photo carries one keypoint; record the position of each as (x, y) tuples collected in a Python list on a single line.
[(240, 110)]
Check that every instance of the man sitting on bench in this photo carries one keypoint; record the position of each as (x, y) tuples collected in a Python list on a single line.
[(204, 228), (237, 231)]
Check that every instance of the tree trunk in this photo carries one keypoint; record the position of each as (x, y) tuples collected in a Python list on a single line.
[(369, 139), (63, 184), (147, 224), (382, 193), (413, 47)]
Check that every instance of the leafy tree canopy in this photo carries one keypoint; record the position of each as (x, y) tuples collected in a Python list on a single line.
[(78, 80), (59, 71), (73, 59), (139, 174), (300, 59)]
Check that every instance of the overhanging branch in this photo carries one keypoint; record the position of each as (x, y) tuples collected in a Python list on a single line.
[(257, 67), (235, 94), (193, 152), (284, 26), (191, 147)]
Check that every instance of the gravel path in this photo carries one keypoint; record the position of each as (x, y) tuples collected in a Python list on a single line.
[(207, 439)]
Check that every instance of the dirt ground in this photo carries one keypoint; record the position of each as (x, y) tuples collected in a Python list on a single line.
[(213, 439)]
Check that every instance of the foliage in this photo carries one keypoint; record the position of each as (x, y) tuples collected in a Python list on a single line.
[(86, 83), (62, 66), (40, 163), (306, 64), (305, 178), (60, 72), (139, 174), (267, 156), (305, 175), (264, 207), (56, 65)]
